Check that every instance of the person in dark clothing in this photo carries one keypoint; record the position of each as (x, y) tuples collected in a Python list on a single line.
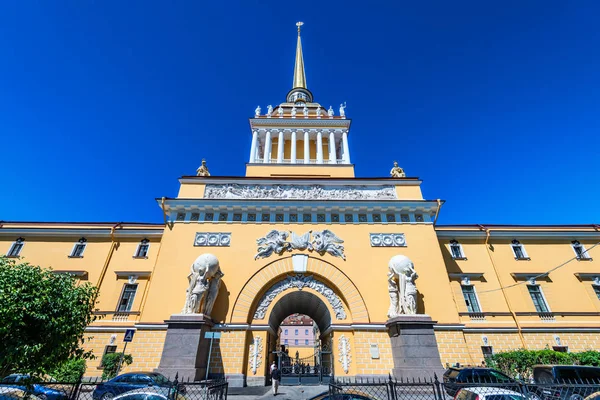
[(275, 378)]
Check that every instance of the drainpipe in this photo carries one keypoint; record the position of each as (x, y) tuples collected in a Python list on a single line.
[(437, 212), (487, 238), (113, 245)]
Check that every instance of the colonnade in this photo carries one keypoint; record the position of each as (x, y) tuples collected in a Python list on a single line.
[(318, 135)]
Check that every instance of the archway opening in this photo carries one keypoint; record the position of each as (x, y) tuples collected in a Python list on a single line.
[(299, 343)]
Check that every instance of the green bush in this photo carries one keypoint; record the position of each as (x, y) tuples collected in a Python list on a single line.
[(110, 363), (69, 371), (520, 362)]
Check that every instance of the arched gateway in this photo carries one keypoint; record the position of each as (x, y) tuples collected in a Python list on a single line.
[(298, 234)]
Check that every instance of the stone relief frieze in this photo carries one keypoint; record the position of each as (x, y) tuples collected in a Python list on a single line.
[(255, 359), (299, 192), (388, 239), (276, 242), (300, 282), (212, 239), (345, 357)]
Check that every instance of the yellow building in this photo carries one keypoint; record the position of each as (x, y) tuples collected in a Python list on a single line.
[(325, 238)]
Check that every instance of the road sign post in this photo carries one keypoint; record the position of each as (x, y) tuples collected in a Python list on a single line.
[(127, 338)]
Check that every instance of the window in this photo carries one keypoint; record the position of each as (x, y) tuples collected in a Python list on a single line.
[(285, 332), (142, 249), (348, 218), (107, 350), (295, 331), (580, 251), (538, 298), (597, 291), (404, 218), (180, 216), (15, 249), (296, 341), (127, 298), (285, 341), (390, 218), (456, 250), (519, 251), (306, 342), (78, 249), (306, 331), (195, 217), (471, 298)]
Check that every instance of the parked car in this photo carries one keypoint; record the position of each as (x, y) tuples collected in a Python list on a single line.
[(132, 381), (150, 393), (10, 393), (573, 382), (487, 393), (350, 395), (41, 391), (456, 378)]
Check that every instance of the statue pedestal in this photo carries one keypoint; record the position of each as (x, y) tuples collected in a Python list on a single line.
[(414, 347), (186, 350)]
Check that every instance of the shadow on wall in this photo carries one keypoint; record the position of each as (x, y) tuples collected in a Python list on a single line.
[(221, 307)]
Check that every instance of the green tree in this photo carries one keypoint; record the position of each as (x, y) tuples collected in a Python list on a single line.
[(43, 318), (111, 362)]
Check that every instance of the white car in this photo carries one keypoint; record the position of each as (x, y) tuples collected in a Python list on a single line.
[(488, 393)]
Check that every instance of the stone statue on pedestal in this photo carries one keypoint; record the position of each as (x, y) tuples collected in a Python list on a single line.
[(330, 112), (204, 281), (343, 110), (202, 170), (257, 111), (319, 112), (269, 111), (397, 172), (401, 286), (294, 112), (280, 112), (305, 111)]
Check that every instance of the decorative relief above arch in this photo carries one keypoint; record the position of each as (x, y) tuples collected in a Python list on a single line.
[(300, 192), (300, 282)]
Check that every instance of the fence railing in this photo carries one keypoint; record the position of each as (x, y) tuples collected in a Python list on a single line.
[(106, 390), (433, 389)]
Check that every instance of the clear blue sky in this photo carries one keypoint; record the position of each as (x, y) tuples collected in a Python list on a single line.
[(495, 105)]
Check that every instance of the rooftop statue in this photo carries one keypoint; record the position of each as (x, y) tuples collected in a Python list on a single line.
[(269, 111), (305, 111), (280, 112), (319, 112), (330, 112), (397, 172), (342, 110), (257, 111), (202, 170), (294, 112)]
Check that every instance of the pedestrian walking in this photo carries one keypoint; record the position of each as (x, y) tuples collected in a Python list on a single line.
[(275, 378), (273, 366)]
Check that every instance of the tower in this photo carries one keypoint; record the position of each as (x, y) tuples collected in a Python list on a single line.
[(299, 137)]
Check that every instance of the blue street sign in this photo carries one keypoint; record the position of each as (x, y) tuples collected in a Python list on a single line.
[(212, 335), (129, 335)]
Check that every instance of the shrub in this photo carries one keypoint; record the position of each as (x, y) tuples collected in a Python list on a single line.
[(70, 371), (110, 363), (520, 362)]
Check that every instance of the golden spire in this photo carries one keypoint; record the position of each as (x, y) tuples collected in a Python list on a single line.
[(299, 75)]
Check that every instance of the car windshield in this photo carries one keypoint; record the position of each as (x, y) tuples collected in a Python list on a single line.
[(160, 379), (10, 379), (504, 397), (589, 374)]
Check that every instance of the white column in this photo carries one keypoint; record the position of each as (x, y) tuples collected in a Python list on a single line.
[(319, 148), (253, 146), (332, 152), (306, 148), (267, 152), (293, 147), (345, 147), (280, 148)]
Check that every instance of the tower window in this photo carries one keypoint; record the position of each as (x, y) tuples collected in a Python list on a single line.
[(539, 302), (362, 217), (180, 216), (404, 218), (348, 218), (278, 217), (335, 217), (208, 217), (580, 251), (376, 217), (142, 249), (251, 217), (519, 250), (390, 218), (293, 217), (237, 217), (79, 248), (265, 217), (126, 301), (15, 249), (222, 217), (456, 250), (320, 217), (471, 298), (306, 218), (419, 217), (195, 217)]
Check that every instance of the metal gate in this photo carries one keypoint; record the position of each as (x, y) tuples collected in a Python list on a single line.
[(311, 370)]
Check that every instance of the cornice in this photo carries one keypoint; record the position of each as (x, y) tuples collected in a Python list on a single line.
[(81, 232), (314, 123), (302, 181), (518, 234)]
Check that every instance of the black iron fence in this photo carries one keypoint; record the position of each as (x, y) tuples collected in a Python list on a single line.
[(433, 389), (109, 390)]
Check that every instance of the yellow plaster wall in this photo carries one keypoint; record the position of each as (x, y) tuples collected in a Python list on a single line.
[(300, 170), (365, 365)]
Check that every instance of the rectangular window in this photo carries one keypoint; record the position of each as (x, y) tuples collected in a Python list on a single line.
[(538, 299), (471, 298), (285, 332), (306, 342), (456, 250), (296, 341), (295, 331), (127, 297), (518, 252), (580, 251), (107, 350), (78, 250), (285, 341), (142, 250), (15, 249), (597, 291), (306, 331)]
